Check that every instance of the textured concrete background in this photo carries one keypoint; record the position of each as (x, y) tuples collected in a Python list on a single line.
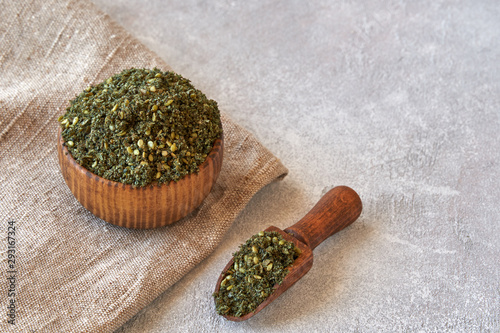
[(399, 100)]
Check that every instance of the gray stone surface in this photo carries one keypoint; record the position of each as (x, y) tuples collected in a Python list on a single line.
[(399, 100)]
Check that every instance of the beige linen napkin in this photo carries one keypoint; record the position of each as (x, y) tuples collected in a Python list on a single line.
[(74, 272)]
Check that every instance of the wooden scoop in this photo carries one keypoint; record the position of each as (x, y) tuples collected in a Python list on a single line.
[(335, 210)]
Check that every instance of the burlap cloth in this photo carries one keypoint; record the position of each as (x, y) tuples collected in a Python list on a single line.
[(75, 272)]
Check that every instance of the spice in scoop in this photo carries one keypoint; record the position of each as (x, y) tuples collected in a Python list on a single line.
[(259, 265), (141, 126)]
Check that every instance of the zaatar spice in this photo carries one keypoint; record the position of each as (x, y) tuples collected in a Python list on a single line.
[(259, 264), (141, 126)]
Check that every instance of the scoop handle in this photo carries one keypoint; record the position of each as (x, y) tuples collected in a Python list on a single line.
[(338, 208)]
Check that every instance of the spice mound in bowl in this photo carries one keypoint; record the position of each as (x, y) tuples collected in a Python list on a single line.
[(141, 149)]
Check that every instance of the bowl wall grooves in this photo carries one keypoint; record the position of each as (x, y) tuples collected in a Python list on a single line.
[(146, 207)]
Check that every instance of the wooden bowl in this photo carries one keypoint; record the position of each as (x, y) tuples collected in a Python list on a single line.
[(147, 207)]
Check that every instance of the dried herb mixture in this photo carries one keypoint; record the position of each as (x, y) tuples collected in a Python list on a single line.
[(259, 265), (141, 126)]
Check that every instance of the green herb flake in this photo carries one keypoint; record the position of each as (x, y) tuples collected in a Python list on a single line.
[(127, 128), (259, 265)]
